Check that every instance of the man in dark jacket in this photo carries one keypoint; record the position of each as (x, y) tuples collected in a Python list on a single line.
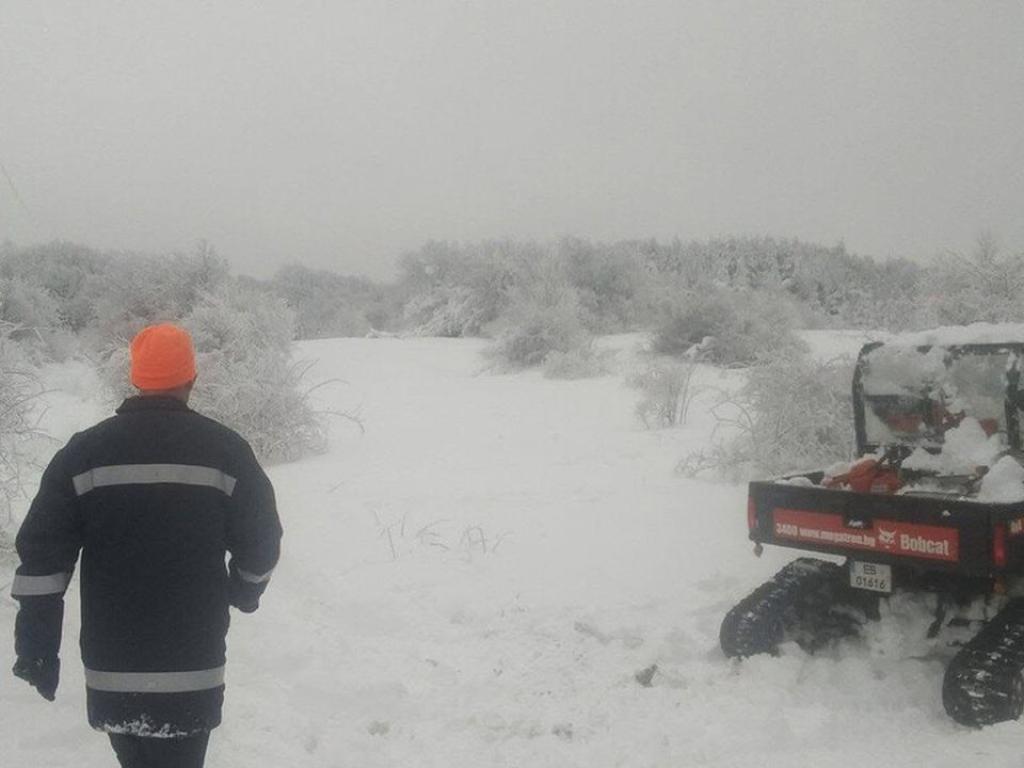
[(155, 498)]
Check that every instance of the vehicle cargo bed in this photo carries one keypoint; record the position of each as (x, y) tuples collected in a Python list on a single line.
[(943, 533)]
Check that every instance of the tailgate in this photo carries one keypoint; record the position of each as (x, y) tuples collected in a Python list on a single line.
[(932, 533)]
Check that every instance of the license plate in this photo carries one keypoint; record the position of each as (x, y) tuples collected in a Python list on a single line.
[(871, 576)]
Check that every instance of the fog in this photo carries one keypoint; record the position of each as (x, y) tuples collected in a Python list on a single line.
[(342, 134)]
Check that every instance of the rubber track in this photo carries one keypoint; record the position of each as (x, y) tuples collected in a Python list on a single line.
[(757, 623), (983, 683)]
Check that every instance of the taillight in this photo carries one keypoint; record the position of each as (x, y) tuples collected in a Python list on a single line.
[(999, 545), (751, 514)]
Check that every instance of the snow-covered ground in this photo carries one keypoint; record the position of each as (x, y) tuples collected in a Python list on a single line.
[(478, 579)]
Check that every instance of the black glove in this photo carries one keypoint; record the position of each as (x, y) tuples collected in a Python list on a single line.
[(41, 674), (242, 595)]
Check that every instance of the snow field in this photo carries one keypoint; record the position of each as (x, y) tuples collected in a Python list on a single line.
[(481, 577)]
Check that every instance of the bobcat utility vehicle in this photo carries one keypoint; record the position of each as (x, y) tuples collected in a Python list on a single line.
[(935, 503)]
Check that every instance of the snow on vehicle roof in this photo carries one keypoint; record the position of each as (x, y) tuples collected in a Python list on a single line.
[(960, 335)]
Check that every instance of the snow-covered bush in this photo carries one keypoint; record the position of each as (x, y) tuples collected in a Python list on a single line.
[(70, 275), (614, 292), (543, 318), (793, 413), (27, 309), (246, 377), (666, 391), (696, 317), (20, 389), (582, 362), (452, 290), (448, 311), (330, 305), (137, 291), (30, 316), (829, 286), (459, 289), (731, 327)]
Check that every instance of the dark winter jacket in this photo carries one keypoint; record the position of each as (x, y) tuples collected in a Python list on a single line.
[(154, 498)]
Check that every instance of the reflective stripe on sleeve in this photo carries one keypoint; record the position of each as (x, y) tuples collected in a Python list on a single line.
[(154, 682), (51, 584), (254, 578), (144, 474)]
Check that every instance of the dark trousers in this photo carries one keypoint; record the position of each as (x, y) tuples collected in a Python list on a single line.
[(141, 752)]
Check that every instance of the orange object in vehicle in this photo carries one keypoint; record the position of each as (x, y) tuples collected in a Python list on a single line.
[(867, 476), (905, 423), (991, 426), (886, 481)]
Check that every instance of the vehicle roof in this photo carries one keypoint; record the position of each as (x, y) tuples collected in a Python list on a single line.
[(976, 334)]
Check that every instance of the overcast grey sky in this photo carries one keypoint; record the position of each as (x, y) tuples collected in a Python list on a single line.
[(342, 133)]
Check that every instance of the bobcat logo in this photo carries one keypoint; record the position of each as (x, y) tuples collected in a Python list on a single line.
[(887, 538)]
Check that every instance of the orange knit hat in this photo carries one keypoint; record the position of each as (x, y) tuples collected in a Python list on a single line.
[(162, 357)]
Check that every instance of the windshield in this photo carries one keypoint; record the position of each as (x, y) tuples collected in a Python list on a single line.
[(914, 395)]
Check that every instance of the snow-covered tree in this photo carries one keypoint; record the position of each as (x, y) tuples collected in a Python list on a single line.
[(986, 285)]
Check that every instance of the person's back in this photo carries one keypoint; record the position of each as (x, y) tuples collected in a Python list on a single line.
[(154, 497)]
